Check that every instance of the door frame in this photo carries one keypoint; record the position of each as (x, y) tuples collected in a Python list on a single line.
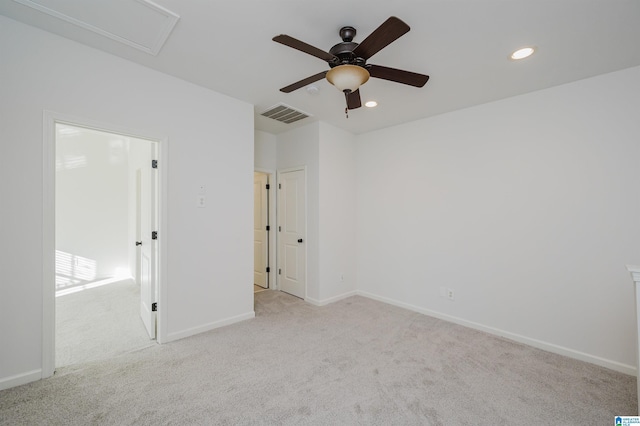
[(306, 224), (272, 255), (50, 119)]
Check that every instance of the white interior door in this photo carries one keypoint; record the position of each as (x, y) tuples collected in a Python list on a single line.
[(260, 234), (149, 246), (138, 229), (292, 222)]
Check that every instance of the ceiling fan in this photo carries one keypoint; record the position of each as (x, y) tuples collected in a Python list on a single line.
[(348, 61)]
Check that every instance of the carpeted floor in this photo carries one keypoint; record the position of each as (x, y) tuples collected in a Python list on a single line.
[(98, 323), (356, 361)]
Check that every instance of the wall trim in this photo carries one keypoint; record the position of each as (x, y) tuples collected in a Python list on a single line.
[(539, 344), (208, 327), (329, 300), (20, 379), (48, 245)]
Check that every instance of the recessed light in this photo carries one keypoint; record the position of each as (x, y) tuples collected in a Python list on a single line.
[(522, 53), (371, 104)]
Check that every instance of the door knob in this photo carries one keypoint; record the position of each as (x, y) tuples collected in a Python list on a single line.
[(299, 240), (138, 243)]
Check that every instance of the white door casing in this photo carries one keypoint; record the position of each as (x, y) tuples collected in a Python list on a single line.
[(50, 118), (292, 222), (260, 234), (149, 247)]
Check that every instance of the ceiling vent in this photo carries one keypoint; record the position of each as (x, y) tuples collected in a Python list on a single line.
[(284, 113)]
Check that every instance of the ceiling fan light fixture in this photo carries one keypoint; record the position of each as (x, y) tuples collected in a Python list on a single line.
[(347, 77)]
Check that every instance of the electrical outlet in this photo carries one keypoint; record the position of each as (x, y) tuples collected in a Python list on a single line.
[(450, 294)]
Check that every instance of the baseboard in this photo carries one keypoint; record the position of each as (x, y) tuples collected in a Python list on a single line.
[(208, 327), (333, 299), (20, 379), (549, 347)]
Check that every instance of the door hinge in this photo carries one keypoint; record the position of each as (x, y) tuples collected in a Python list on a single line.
[(268, 228), (154, 235), (268, 269), (279, 228), (279, 271), (154, 307), (268, 186), (154, 164), (279, 186)]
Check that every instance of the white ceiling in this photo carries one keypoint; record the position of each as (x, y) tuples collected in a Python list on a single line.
[(463, 45)]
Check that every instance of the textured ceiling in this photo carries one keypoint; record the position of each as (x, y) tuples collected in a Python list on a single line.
[(463, 45)]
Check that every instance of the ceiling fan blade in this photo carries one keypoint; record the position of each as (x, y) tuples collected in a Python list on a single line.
[(399, 76), (353, 100), (304, 47), (390, 30), (290, 88)]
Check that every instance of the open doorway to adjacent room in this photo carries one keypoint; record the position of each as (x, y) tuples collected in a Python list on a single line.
[(105, 257), (262, 232)]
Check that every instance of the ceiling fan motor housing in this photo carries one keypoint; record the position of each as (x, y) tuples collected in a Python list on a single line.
[(344, 51)]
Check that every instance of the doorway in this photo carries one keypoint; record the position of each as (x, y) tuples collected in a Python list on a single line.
[(261, 231), (104, 195), (264, 213)]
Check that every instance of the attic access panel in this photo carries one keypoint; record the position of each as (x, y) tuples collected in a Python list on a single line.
[(140, 24)]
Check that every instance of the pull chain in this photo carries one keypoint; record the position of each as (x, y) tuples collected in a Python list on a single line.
[(346, 98)]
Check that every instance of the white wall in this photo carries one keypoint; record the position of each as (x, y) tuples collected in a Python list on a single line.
[(91, 204), (210, 141), (329, 155), (337, 220), (526, 207), (265, 151), (299, 147)]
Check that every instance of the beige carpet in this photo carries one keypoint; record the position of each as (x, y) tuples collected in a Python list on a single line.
[(356, 361), (99, 323)]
